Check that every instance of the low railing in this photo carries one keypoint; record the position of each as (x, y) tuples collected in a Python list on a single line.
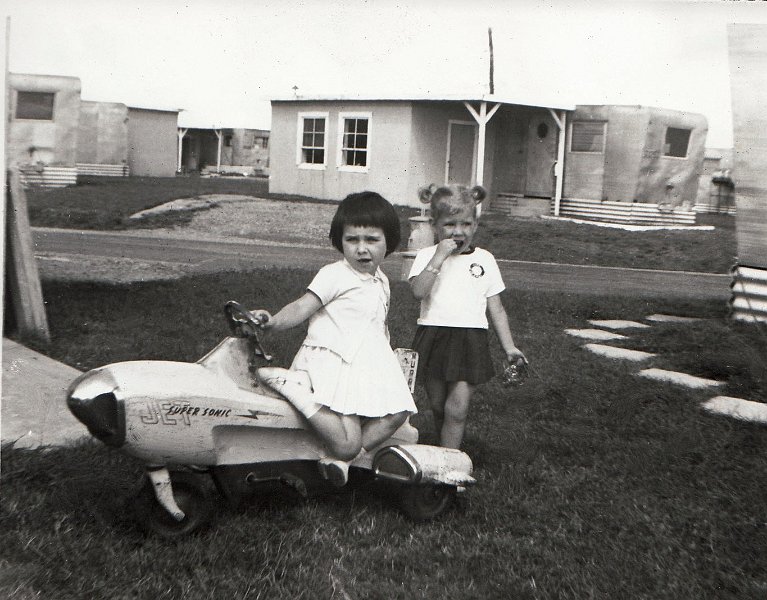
[(749, 294), (121, 170), (47, 176), (628, 213)]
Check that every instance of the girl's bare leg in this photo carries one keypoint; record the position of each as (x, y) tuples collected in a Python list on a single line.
[(341, 434), (376, 431), (456, 409), (436, 391)]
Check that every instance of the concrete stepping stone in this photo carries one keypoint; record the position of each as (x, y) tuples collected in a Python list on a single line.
[(618, 324), (671, 319), (745, 410), (618, 353), (595, 334), (684, 379)]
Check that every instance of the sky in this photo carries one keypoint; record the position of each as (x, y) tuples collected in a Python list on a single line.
[(222, 62)]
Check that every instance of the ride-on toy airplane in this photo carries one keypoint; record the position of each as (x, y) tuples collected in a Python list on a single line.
[(213, 426)]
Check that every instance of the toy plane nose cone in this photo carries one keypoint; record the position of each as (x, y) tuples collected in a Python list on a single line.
[(94, 404)]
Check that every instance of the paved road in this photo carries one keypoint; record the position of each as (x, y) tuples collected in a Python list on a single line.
[(204, 255)]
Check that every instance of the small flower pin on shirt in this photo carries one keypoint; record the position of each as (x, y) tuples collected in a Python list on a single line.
[(476, 270)]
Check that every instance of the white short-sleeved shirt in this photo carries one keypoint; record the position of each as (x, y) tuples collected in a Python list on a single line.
[(459, 295), (352, 304)]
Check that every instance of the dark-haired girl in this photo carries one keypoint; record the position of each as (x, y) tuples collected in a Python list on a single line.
[(345, 378)]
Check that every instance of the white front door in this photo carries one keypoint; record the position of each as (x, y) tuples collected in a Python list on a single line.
[(461, 152), (541, 156)]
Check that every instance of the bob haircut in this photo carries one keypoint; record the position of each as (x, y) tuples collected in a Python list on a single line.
[(366, 209)]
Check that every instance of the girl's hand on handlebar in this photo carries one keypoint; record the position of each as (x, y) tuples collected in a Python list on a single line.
[(263, 317)]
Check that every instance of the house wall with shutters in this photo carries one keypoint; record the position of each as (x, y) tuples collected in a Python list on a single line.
[(627, 161), (389, 151), (44, 139)]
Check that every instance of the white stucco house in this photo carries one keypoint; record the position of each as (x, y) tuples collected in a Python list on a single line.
[(534, 155)]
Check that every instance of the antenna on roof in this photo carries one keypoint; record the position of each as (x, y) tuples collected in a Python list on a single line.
[(490, 41), (295, 91)]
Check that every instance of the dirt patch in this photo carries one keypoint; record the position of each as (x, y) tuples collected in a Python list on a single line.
[(257, 218), (291, 223)]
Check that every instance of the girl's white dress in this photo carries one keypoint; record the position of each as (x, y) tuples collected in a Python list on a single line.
[(346, 351)]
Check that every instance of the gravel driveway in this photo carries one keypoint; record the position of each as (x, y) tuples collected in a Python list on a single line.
[(279, 222)]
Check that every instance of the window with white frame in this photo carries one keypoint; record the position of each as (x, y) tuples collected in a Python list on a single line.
[(677, 142), (35, 105), (587, 136), (312, 140), (354, 142)]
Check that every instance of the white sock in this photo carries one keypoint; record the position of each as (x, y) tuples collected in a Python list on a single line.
[(295, 386)]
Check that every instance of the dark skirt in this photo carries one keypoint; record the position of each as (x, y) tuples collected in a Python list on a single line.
[(453, 354)]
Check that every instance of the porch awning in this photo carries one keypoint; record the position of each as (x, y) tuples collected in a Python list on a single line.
[(534, 100)]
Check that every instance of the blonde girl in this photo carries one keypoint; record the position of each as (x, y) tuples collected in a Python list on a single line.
[(459, 286)]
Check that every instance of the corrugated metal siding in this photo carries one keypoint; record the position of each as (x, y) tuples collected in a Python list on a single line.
[(714, 205), (103, 170), (48, 177), (516, 205), (749, 294), (628, 213)]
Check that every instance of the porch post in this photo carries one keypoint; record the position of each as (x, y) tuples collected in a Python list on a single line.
[(181, 133), (559, 167), (480, 175), (219, 135), (482, 119)]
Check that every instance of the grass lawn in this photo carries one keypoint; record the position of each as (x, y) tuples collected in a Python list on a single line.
[(106, 203), (592, 482)]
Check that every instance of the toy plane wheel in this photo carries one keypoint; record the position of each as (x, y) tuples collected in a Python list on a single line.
[(191, 496), (426, 501)]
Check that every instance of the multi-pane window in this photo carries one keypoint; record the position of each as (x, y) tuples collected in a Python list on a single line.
[(313, 141), (677, 141), (35, 105), (587, 136), (354, 144)]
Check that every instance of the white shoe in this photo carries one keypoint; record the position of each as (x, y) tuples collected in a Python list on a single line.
[(334, 470), (296, 386)]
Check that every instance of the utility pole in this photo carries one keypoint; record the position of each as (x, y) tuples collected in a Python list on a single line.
[(490, 40)]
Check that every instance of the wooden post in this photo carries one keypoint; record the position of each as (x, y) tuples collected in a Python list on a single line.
[(22, 275), (220, 136), (180, 133), (3, 156), (482, 119), (559, 168), (492, 61)]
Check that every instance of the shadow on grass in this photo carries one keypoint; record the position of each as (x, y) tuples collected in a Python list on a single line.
[(591, 482)]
